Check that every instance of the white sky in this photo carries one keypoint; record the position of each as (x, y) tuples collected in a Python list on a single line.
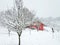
[(43, 8)]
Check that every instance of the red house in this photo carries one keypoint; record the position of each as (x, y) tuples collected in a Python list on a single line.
[(41, 27), (35, 26)]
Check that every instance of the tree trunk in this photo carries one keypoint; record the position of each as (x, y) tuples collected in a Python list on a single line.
[(19, 39), (19, 36)]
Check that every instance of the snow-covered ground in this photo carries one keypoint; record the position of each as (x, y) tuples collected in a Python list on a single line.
[(30, 38)]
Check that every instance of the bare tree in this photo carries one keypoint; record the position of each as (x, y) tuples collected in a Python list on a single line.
[(17, 18)]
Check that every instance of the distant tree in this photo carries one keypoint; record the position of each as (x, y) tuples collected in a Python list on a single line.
[(53, 23), (17, 18)]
